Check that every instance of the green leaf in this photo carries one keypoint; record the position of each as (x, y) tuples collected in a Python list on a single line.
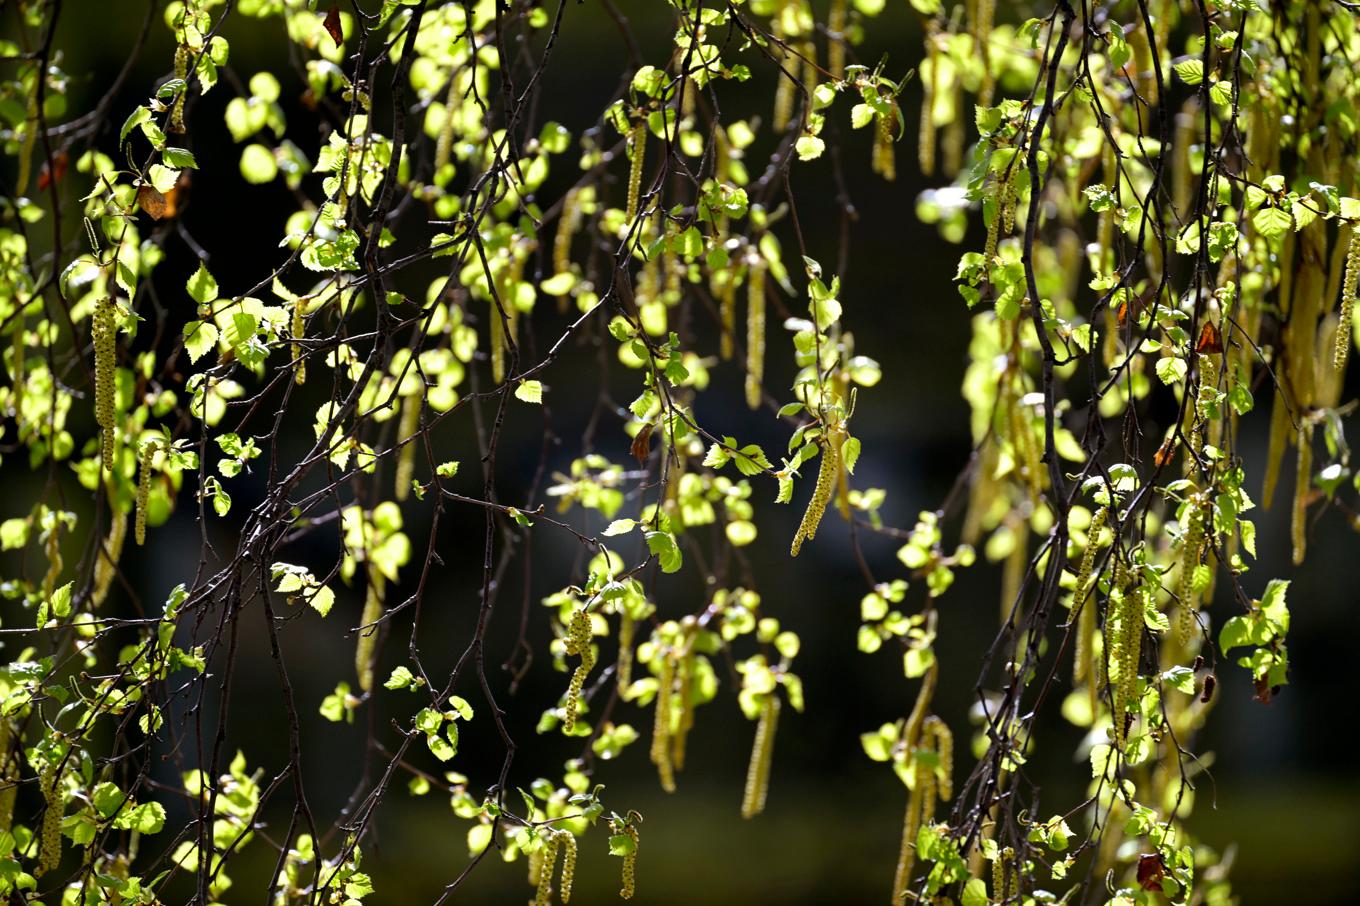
[(179, 158), (809, 147), (401, 678), (1272, 222), (258, 165), (667, 552), (201, 286), (529, 392), (322, 600), (200, 337)]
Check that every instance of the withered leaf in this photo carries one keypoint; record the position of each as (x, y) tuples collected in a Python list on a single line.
[(1210, 340), (332, 24), (1151, 871), (150, 200), (642, 444)]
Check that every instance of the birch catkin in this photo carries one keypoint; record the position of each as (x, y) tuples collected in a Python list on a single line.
[(568, 864), (762, 755), (103, 331), (629, 865), (49, 836), (368, 630), (1191, 543), (1086, 624), (835, 46), (821, 495), (661, 727), (926, 134), (298, 329), (1341, 352), (106, 560), (543, 896), (1303, 480), (406, 433), (637, 145), (624, 669), (755, 332), (578, 643), (148, 452)]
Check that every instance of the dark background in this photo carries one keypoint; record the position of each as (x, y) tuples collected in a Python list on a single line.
[(1283, 783)]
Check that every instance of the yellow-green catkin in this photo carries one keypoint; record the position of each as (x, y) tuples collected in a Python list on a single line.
[(821, 495), (534, 861), (755, 331), (578, 644), (1192, 541), (984, 16), (637, 149), (835, 46), (629, 865), (1342, 350), (497, 341), (148, 454), (568, 864), (926, 134), (543, 896), (942, 741), (727, 315), (1005, 207), (104, 331), (624, 669), (762, 755), (181, 73), (30, 141), (1082, 666), (443, 146), (1001, 875), (411, 406), (9, 775), (367, 645), (1303, 481), (567, 226), (1125, 650), (49, 837), (1280, 426), (906, 854), (884, 157), (684, 688), (299, 330), (661, 727), (106, 558)]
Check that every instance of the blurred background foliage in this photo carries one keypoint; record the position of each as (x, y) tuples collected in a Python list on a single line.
[(1283, 782)]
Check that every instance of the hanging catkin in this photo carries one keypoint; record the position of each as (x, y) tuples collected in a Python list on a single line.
[(1081, 603), (821, 494), (755, 331), (103, 331), (411, 404), (106, 559), (661, 727), (926, 134), (578, 644), (148, 453), (368, 630), (298, 329), (1303, 480), (835, 41), (1342, 350), (637, 149), (49, 836), (762, 753)]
